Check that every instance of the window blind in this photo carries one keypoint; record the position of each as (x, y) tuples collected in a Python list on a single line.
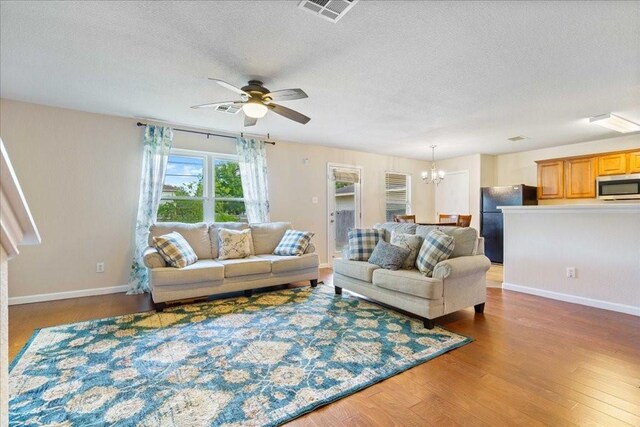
[(396, 195)]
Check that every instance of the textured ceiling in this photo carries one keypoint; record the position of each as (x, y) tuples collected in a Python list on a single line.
[(389, 77)]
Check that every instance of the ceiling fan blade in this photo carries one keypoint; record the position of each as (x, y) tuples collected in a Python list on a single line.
[(216, 104), (287, 94), (230, 87), (249, 121), (289, 113)]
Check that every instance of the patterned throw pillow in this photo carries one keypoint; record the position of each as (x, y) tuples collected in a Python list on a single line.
[(175, 250), (362, 242), (234, 244), (437, 247), (293, 243), (389, 256), (409, 241)]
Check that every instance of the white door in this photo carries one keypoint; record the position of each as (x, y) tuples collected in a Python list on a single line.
[(452, 194), (343, 206)]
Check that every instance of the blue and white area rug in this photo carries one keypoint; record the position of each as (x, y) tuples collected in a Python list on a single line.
[(253, 361)]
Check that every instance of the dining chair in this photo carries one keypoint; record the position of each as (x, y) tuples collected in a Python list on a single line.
[(463, 221), (448, 218), (404, 218)]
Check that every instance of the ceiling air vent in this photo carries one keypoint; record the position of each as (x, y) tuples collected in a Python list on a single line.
[(331, 10), (231, 109), (517, 138)]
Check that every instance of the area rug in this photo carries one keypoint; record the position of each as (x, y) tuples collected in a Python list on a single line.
[(258, 361)]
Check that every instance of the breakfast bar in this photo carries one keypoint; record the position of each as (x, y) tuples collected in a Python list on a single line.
[(586, 254)]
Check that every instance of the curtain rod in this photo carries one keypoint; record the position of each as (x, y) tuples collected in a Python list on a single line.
[(208, 134)]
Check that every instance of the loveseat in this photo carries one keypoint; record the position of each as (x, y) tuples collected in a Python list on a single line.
[(211, 276), (456, 283)]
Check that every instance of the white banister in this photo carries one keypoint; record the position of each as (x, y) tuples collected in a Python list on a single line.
[(16, 228)]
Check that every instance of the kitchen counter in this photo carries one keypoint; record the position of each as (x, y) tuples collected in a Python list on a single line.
[(601, 242)]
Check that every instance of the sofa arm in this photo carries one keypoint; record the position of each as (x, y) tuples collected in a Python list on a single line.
[(310, 249), (461, 266), (152, 258)]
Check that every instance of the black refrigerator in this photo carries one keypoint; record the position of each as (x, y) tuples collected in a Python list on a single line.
[(491, 216)]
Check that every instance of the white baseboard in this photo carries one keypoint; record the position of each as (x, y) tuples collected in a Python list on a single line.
[(621, 308), (325, 265), (69, 294)]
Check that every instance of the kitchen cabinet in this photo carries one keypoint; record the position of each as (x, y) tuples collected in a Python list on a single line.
[(580, 178), (634, 162), (612, 164), (551, 179)]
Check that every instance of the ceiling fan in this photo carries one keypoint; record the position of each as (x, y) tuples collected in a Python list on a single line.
[(256, 101)]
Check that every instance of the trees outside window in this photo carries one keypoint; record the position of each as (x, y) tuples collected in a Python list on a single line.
[(201, 187)]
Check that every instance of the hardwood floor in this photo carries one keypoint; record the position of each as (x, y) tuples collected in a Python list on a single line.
[(534, 361)]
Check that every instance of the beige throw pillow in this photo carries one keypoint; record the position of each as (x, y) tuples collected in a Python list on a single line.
[(234, 244)]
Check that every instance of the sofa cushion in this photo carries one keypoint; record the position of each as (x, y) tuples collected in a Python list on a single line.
[(360, 270), (197, 235), (437, 247), (234, 244), (362, 242), (215, 240), (266, 236), (411, 242), (293, 243), (206, 270), (399, 227), (409, 282), (245, 266), (284, 264), (175, 250), (465, 238), (389, 256)]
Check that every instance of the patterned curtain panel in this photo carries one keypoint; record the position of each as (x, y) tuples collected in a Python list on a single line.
[(252, 158), (157, 144)]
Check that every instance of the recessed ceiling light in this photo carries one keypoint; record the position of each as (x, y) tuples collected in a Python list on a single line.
[(517, 138), (613, 122)]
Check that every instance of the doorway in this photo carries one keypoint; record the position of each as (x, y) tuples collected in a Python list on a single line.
[(343, 206), (452, 194)]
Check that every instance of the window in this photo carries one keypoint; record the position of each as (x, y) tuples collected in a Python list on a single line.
[(397, 189), (201, 187)]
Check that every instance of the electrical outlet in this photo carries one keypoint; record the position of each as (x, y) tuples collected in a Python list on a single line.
[(571, 272), (100, 267)]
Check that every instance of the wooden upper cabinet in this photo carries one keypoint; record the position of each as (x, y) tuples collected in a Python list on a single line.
[(612, 164), (551, 180), (580, 178), (634, 162)]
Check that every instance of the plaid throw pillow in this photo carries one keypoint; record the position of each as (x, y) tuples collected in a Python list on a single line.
[(293, 243), (437, 247), (175, 250), (362, 242)]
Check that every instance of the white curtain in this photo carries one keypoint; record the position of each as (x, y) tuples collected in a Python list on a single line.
[(157, 144), (252, 158)]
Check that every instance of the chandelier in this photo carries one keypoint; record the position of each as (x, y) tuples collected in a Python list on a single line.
[(434, 176)]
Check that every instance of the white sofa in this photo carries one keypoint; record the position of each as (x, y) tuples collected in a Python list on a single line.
[(211, 276), (457, 282)]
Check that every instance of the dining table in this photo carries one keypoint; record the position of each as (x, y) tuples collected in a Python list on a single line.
[(441, 224)]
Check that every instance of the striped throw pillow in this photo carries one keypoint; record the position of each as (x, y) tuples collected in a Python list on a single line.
[(293, 243), (436, 247), (175, 250), (362, 242)]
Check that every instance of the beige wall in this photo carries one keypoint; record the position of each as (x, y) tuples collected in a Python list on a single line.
[(542, 241), (80, 172)]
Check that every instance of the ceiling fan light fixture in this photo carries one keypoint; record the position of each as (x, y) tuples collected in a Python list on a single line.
[(255, 109)]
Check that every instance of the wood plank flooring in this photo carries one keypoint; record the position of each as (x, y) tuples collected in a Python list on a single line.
[(534, 361)]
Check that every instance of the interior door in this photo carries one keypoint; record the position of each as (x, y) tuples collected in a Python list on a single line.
[(452, 194), (343, 206)]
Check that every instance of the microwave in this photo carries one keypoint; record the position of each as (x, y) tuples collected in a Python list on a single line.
[(619, 187)]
